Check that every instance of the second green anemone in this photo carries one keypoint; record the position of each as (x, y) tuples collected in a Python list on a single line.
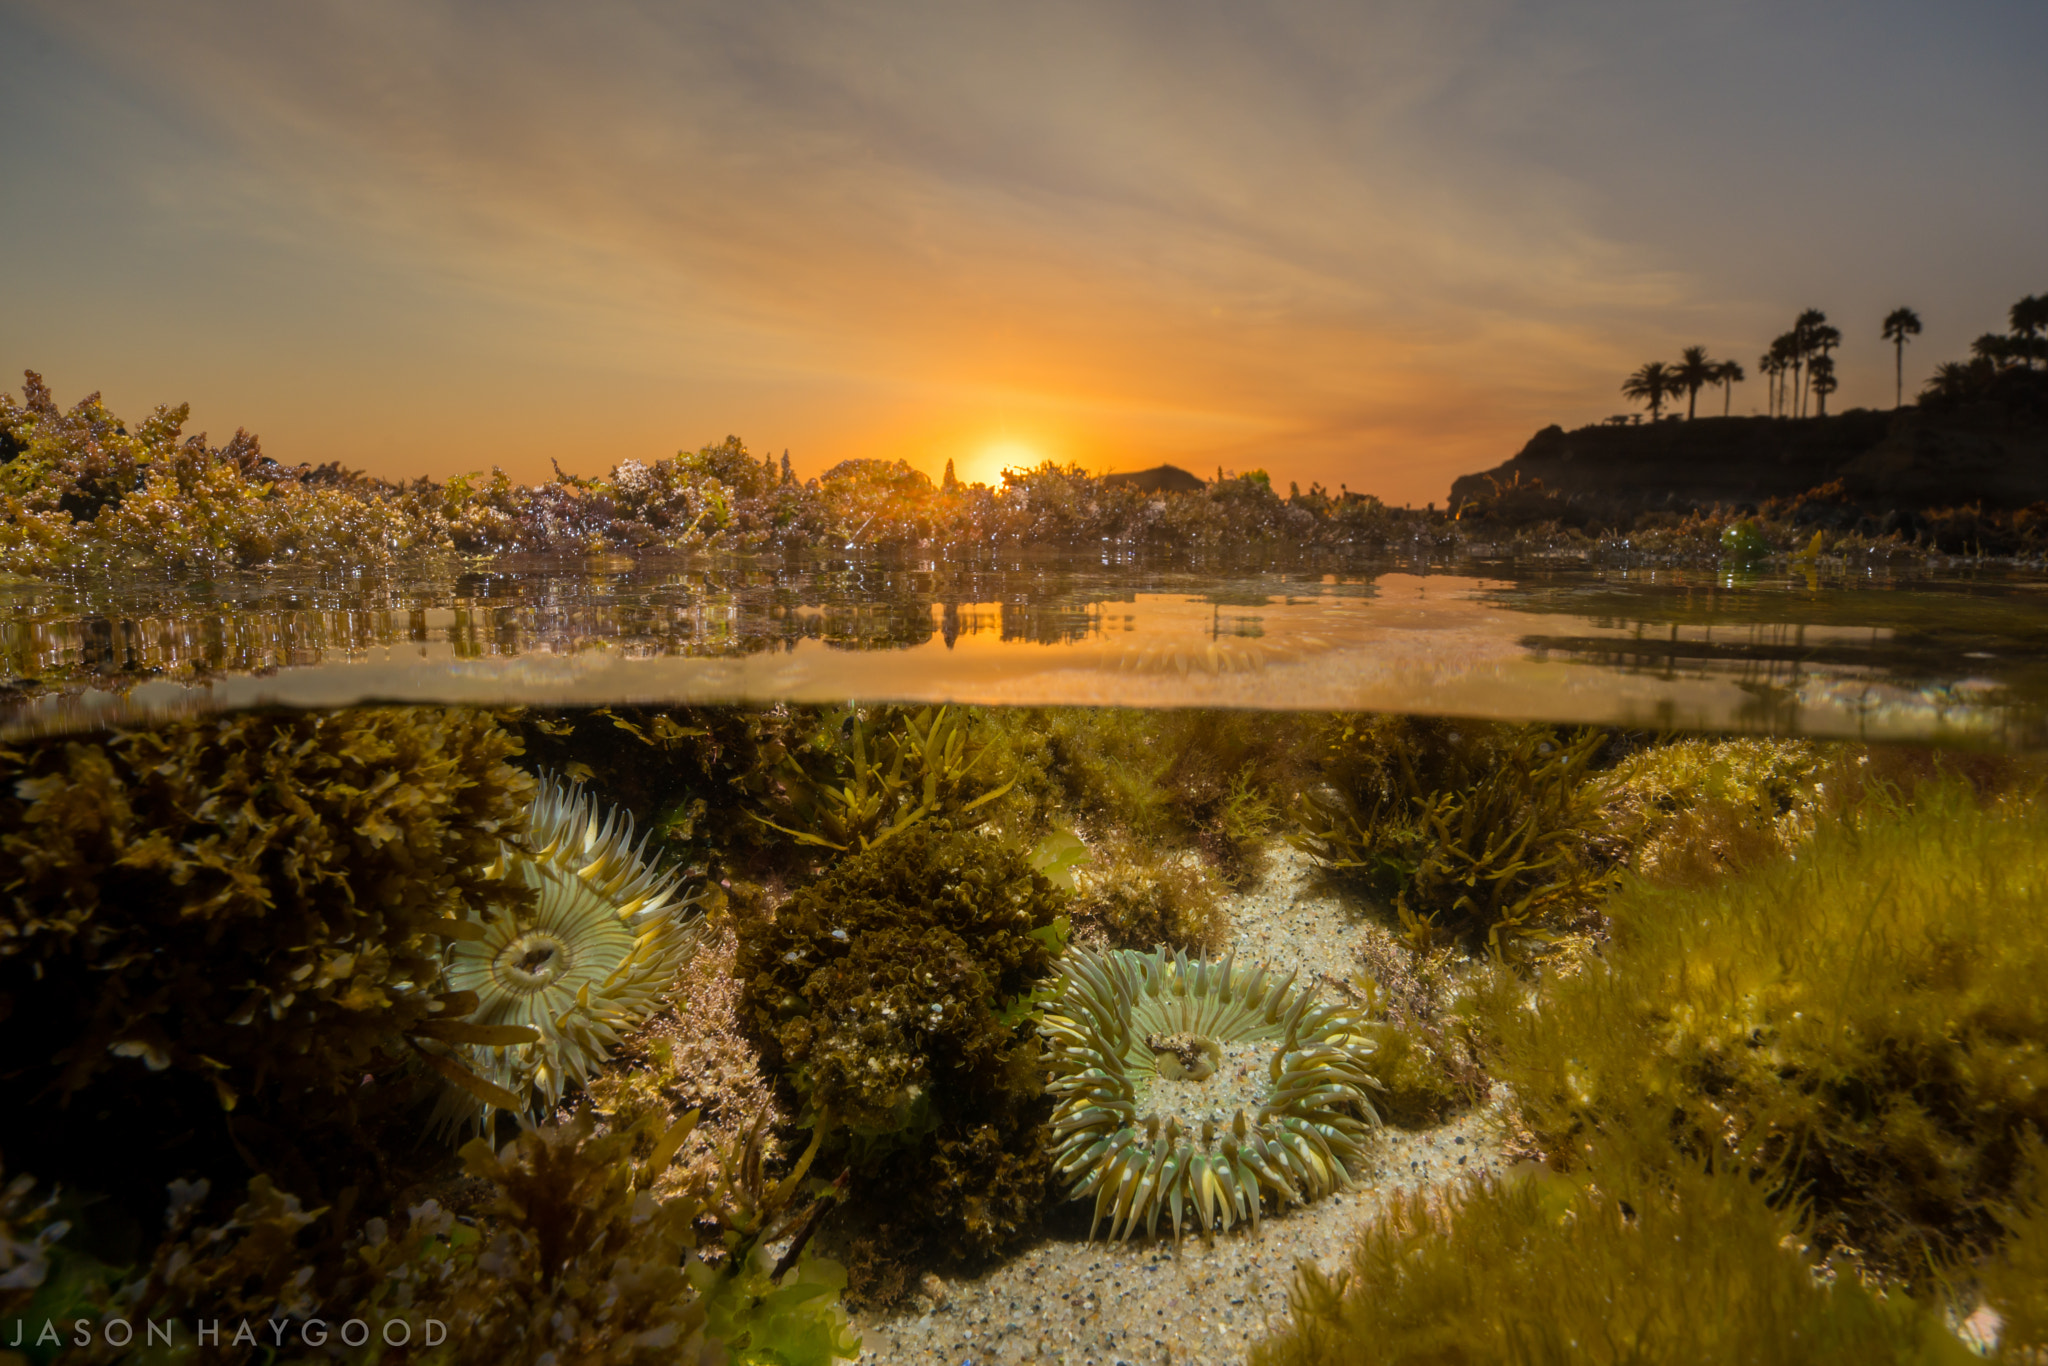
[(592, 956), (1190, 1088)]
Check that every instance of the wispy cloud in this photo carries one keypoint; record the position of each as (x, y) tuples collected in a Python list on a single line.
[(1364, 243)]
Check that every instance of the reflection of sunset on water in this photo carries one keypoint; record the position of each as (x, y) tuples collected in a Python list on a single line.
[(1671, 650)]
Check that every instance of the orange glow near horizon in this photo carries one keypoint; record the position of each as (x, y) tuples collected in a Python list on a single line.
[(987, 464), (421, 241)]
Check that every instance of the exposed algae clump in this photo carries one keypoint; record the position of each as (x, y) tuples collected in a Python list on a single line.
[(83, 492), (1197, 1090), (894, 994), (1866, 1019), (1620, 1270), (587, 958)]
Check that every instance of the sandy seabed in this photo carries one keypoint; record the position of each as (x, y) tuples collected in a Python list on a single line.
[(1064, 1301)]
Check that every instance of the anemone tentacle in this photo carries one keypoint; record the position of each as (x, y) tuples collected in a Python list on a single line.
[(1188, 1087), (590, 958)]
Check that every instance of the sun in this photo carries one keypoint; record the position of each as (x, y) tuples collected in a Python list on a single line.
[(987, 464)]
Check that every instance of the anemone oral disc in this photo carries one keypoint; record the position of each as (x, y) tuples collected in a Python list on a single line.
[(594, 954)]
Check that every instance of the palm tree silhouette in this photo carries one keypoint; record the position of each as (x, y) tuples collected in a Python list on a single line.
[(1802, 347), (1999, 350), (1820, 373), (1693, 370), (1952, 379), (1652, 385), (1822, 339), (2029, 319), (1784, 351), (1727, 374), (1900, 324)]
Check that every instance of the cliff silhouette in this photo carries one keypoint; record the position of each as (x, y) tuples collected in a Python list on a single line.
[(1989, 449)]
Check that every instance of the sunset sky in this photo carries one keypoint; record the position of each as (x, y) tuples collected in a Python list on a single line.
[(1369, 243)]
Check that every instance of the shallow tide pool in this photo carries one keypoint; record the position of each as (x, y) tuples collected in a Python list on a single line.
[(1027, 962)]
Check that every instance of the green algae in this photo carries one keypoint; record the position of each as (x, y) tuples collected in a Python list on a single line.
[(1696, 809), (1620, 1267), (2014, 1279), (847, 789), (1862, 1020), (880, 993), (1483, 832)]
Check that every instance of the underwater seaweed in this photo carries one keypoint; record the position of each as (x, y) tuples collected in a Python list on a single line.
[(1490, 833), (1134, 894), (923, 765), (582, 1253), (245, 913), (696, 774), (893, 995), (1200, 777), (1695, 809), (1865, 1017), (2014, 1279), (585, 960), (1686, 1266), (1130, 1035)]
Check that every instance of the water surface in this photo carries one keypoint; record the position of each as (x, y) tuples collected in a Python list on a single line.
[(1942, 654)]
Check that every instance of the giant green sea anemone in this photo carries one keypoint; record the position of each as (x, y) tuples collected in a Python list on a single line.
[(1187, 1086), (591, 956)]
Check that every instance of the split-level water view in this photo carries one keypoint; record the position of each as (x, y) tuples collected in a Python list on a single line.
[(1048, 960)]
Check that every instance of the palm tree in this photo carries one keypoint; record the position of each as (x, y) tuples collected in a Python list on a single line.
[(1767, 366), (1727, 374), (1693, 371), (1652, 385), (1900, 324), (2029, 320), (1951, 379), (1784, 351), (1823, 339), (1820, 373), (1802, 347), (1997, 348)]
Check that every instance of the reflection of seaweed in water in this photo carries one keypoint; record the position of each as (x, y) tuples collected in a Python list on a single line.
[(877, 626), (1043, 624)]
